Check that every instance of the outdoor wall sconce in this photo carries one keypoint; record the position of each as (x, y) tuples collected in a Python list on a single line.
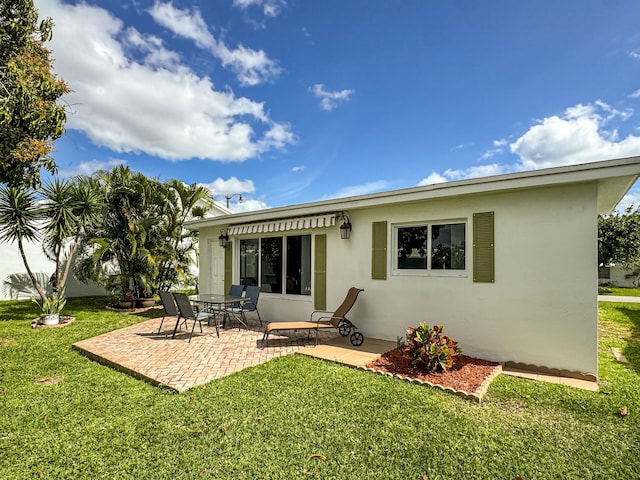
[(345, 228), (223, 239)]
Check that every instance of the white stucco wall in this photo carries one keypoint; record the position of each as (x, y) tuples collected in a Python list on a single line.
[(541, 310), (11, 263)]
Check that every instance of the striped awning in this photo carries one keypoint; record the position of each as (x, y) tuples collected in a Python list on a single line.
[(284, 224)]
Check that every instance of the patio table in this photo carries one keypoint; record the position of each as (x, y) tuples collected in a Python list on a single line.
[(219, 303)]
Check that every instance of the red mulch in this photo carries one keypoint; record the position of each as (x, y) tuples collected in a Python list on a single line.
[(467, 373)]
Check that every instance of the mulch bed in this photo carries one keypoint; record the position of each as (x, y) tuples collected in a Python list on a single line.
[(469, 375)]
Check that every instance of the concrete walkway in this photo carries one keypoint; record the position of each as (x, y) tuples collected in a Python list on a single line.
[(617, 298)]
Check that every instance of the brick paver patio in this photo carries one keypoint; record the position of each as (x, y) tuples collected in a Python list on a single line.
[(175, 363)]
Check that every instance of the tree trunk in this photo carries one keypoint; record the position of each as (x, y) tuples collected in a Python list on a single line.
[(36, 285)]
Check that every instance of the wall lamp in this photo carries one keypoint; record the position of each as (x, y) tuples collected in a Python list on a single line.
[(223, 239), (345, 228)]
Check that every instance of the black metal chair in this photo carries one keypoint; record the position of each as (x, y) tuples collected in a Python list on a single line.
[(170, 309), (187, 312)]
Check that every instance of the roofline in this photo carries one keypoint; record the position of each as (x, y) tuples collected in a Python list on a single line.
[(592, 171)]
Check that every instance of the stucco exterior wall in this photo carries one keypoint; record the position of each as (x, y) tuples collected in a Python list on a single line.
[(11, 264), (541, 310)]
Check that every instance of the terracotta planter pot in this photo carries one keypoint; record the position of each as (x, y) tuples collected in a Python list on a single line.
[(145, 302), (126, 303)]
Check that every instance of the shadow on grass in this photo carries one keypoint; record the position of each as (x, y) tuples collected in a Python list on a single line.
[(632, 349), (18, 310)]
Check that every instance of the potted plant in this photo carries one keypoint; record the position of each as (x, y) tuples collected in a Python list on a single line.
[(146, 300), (127, 300), (51, 307)]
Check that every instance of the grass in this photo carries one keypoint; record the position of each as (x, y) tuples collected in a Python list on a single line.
[(618, 291), (64, 416)]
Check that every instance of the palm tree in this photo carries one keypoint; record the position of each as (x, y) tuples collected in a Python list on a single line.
[(182, 202), (20, 215), (71, 208), (140, 244), (59, 219)]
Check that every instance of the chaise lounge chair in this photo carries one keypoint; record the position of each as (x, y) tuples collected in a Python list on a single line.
[(335, 319)]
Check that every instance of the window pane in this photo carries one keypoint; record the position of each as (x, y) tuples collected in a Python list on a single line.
[(249, 261), (271, 265), (412, 247), (299, 265), (447, 246)]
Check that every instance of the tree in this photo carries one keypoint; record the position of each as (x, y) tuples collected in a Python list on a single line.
[(71, 207), (58, 215), (30, 117), (181, 203), (19, 221), (619, 241), (140, 244)]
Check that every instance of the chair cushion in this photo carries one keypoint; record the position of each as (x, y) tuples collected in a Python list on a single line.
[(297, 325)]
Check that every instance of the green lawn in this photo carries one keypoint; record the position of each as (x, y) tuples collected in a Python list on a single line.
[(64, 416), (619, 291)]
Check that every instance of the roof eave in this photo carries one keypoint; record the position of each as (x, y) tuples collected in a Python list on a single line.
[(626, 170)]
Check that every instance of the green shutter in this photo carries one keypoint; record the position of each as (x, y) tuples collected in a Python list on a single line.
[(228, 266), (379, 251), (483, 247), (320, 273)]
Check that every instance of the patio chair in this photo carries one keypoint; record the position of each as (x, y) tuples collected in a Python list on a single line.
[(170, 309), (188, 313), (253, 293), (336, 320), (235, 291)]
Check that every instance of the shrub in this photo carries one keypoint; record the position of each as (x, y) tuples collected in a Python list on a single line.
[(428, 347)]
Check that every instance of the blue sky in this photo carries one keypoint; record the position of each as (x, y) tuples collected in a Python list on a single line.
[(290, 101)]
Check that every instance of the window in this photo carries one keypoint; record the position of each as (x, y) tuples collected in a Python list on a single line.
[(274, 262), (438, 246), (271, 265), (412, 247), (447, 246), (299, 265), (249, 261)]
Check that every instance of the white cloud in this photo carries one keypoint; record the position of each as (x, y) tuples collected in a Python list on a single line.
[(89, 167), (363, 189), (433, 179), (156, 105), (635, 94), (183, 23), (248, 205), (462, 174), (498, 147), (330, 100), (635, 54), (221, 187), (584, 133), (271, 8), (232, 187), (579, 136), (251, 67), (297, 169)]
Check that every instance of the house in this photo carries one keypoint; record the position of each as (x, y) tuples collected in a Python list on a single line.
[(616, 276), (508, 264)]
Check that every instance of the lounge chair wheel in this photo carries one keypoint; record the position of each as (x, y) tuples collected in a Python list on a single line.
[(356, 339), (344, 328)]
